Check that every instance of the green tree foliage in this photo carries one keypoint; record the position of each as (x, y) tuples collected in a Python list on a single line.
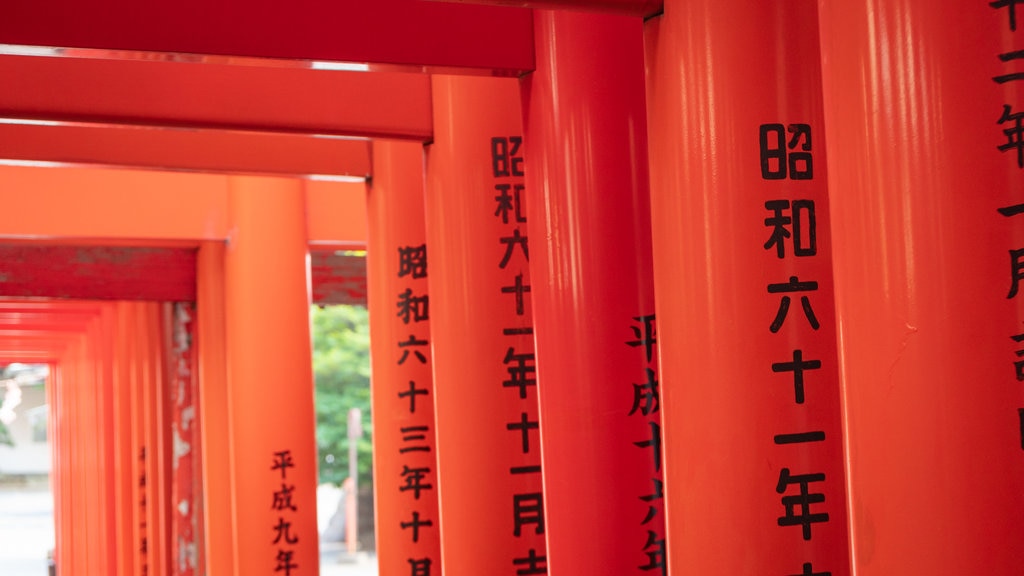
[(341, 367)]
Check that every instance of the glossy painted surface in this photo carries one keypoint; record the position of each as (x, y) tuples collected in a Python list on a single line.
[(630, 7), (593, 295), (217, 95), (214, 412), (735, 477), (270, 380), (923, 269), (154, 506), (485, 429), (404, 32), (123, 481), (175, 149), (404, 447)]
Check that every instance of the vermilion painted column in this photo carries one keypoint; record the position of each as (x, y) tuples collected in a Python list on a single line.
[(923, 113), (405, 453), (270, 379), (488, 441), (124, 481), (83, 440), (214, 412), (76, 553), (155, 432), (90, 503), (746, 324), (69, 462), (141, 449), (107, 463), (593, 295), (148, 452), (56, 430), (88, 430), (161, 367)]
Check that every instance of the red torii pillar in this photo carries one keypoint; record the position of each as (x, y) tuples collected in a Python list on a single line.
[(488, 446), (593, 295), (149, 446), (923, 108), (753, 441), (405, 451), (215, 414), (270, 379), (124, 482), (104, 399)]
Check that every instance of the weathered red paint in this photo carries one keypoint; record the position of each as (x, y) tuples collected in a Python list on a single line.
[(338, 277), (138, 273), (184, 441), (96, 272)]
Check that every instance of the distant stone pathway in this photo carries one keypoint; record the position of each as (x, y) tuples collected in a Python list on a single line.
[(26, 531)]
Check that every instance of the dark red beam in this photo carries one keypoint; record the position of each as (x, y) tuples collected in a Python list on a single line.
[(221, 151), (404, 32), (644, 8), (338, 277), (98, 273)]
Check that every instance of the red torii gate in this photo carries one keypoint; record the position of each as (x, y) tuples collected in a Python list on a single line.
[(236, 88)]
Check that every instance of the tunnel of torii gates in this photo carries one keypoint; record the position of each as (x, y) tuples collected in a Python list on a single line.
[(713, 288)]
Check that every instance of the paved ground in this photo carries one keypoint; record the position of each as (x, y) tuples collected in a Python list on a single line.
[(26, 533), (335, 562)]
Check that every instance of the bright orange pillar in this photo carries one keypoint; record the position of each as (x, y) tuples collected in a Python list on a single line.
[(141, 450), (270, 379), (67, 553), (69, 463), (488, 442), (83, 440), (158, 432), (58, 480), (147, 354), (106, 460), (85, 541), (214, 412), (80, 536), (593, 295), (746, 325), (927, 179), (87, 506), (124, 455), (405, 453)]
